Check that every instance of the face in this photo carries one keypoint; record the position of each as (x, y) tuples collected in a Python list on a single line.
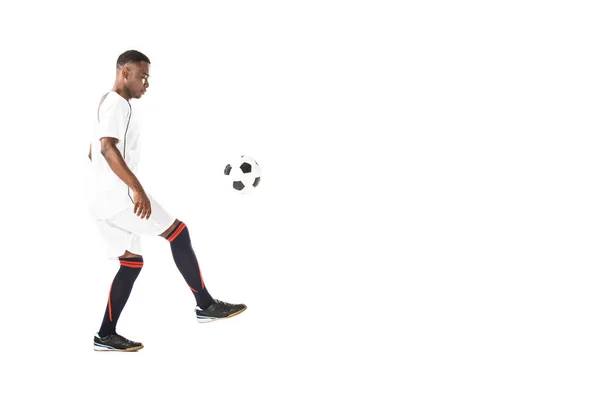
[(136, 77)]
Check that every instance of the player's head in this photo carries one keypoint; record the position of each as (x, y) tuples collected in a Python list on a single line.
[(133, 70)]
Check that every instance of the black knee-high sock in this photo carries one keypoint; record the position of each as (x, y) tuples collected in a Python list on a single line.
[(119, 293), (187, 263)]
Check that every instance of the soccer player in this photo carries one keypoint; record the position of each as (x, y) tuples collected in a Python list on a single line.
[(124, 212)]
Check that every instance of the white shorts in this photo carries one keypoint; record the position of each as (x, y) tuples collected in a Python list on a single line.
[(124, 230)]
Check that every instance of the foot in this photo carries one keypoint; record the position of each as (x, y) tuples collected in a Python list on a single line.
[(218, 310), (115, 342)]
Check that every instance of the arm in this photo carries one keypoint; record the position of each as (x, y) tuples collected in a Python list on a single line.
[(115, 161), (108, 148)]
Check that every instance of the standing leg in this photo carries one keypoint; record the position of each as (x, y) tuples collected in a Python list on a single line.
[(120, 289)]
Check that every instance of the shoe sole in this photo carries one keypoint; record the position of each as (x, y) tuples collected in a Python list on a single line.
[(205, 320), (100, 347)]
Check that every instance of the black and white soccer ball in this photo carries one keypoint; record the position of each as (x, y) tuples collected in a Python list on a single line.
[(244, 174)]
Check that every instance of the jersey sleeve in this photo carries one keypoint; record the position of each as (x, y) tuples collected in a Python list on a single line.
[(113, 119)]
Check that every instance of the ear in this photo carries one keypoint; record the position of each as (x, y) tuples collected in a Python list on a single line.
[(125, 72)]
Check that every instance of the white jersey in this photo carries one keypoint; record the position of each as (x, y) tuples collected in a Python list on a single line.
[(107, 193)]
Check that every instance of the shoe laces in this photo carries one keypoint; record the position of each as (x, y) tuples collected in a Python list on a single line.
[(123, 338), (222, 304)]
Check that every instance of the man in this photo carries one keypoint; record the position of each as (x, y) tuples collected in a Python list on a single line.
[(123, 211)]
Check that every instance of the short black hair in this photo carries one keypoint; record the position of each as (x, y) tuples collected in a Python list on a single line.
[(131, 56)]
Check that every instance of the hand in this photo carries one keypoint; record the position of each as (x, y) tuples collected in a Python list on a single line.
[(142, 207)]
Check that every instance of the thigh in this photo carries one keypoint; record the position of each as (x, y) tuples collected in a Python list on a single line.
[(160, 220), (118, 240)]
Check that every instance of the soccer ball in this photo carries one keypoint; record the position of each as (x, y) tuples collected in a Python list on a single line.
[(245, 174)]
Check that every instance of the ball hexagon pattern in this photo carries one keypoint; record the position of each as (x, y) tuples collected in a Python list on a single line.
[(244, 174)]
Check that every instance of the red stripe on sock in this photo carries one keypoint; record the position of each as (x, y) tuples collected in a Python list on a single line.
[(132, 264), (177, 232), (193, 290), (201, 280), (109, 306)]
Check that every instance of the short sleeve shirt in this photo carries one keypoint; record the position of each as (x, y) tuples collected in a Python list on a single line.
[(108, 194)]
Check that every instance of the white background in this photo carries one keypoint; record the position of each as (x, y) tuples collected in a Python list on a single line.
[(426, 226)]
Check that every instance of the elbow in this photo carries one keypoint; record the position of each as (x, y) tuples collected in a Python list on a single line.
[(104, 150)]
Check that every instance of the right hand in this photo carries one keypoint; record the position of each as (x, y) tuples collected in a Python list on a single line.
[(142, 207)]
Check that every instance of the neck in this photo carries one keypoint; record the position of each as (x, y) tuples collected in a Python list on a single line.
[(121, 91)]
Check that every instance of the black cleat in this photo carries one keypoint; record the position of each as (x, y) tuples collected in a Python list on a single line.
[(218, 310), (115, 342)]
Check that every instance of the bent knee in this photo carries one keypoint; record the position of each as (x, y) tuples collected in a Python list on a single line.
[(170, 229), (129, 254)]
